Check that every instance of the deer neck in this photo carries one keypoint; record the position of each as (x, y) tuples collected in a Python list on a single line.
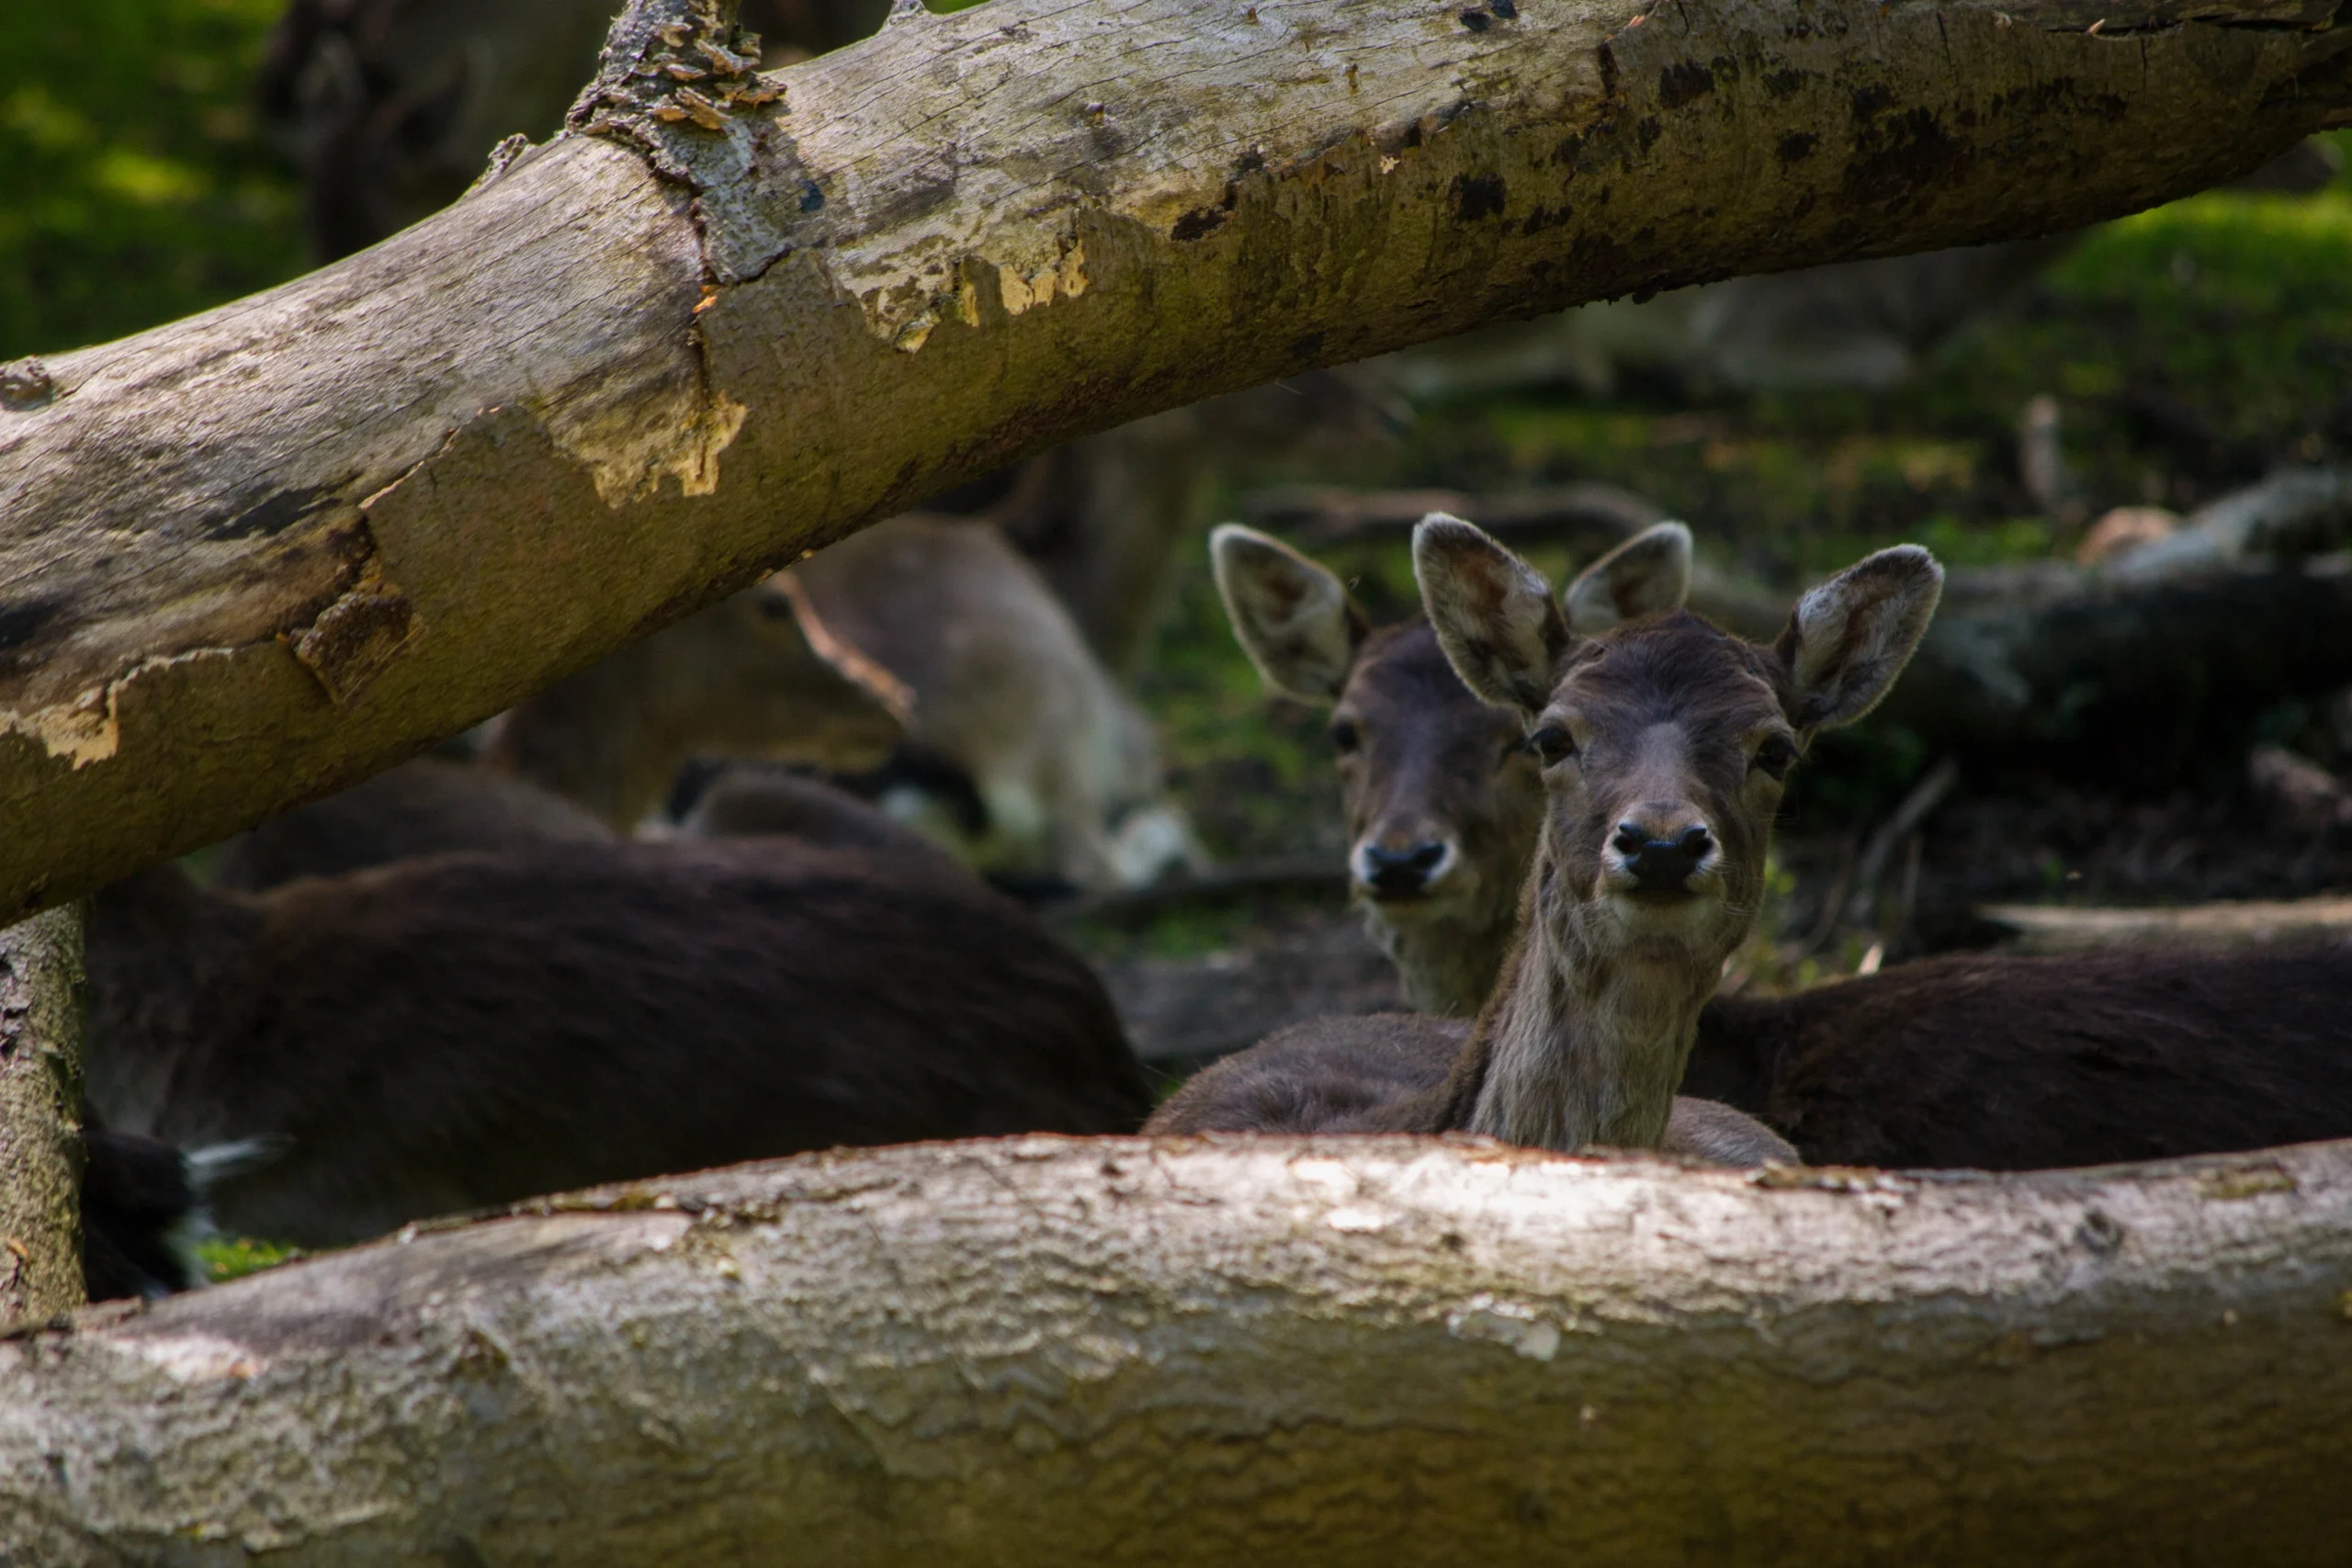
[(1581, 1045), (1449, 966)]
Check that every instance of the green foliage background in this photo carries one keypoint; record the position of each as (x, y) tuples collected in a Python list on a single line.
[(133, 185)]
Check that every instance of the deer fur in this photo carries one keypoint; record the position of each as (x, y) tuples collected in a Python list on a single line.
[(924, 662), (145, 1207), (1664, 743), (1005, 688), (464, 1030), (2007, 1062), (757, 675), (427, 806)]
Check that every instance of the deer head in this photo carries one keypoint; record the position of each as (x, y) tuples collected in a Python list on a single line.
[(1663, 742), (1442, 793)]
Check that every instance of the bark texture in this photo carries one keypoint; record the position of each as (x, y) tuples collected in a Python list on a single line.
[(267, 550), (41, 1102), (1045, 1351)]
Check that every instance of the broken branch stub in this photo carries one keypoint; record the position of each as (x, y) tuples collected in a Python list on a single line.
[(258, 554), (1041, 1351)]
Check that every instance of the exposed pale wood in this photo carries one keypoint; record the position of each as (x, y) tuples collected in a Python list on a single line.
[(276, 546), (41, 1104), (1046, 1351), (2044, 928)]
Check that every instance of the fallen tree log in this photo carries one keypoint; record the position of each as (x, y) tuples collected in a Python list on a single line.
[(1045, 1351), (266, 551)]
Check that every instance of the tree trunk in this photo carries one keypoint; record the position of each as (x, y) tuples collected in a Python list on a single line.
[(41, 1104), (1042, 1351), (266, 551)]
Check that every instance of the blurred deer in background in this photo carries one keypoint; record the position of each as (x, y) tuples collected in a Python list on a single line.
[(1003, 688), (922, 662)]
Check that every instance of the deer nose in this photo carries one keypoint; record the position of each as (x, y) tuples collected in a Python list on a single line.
[(1662, 864), (1398, 873)]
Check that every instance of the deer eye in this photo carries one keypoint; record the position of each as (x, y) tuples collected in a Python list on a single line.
[(1347, 739), (1552, 743), (1777, 756)]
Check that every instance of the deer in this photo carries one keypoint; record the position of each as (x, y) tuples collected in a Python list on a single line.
[(1662, 744), (922, 663), (760, 674), (463, 1030), (1005, 691), (1442, 796), (1987, 1060)]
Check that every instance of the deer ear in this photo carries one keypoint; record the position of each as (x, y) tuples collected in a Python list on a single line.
[(1851, 637), (1295, 621), (1649, 572), (1493, 614)]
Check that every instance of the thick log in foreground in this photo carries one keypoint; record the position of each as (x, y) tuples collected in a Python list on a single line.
[(262, 552), (1045, 1351)]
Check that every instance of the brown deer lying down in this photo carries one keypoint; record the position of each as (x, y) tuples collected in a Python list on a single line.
[(1994, 1062), (757, 675), (430, 806), (2020, 1064), (469, 1029), (923, 647), (760, 800), (1663, 744)]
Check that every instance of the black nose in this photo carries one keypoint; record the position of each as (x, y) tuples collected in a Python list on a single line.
[(1662, 865), (1396, 873)]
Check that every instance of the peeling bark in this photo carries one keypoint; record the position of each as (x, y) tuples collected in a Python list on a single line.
[(1043, 1351), (41, 1102), (267, 550)]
